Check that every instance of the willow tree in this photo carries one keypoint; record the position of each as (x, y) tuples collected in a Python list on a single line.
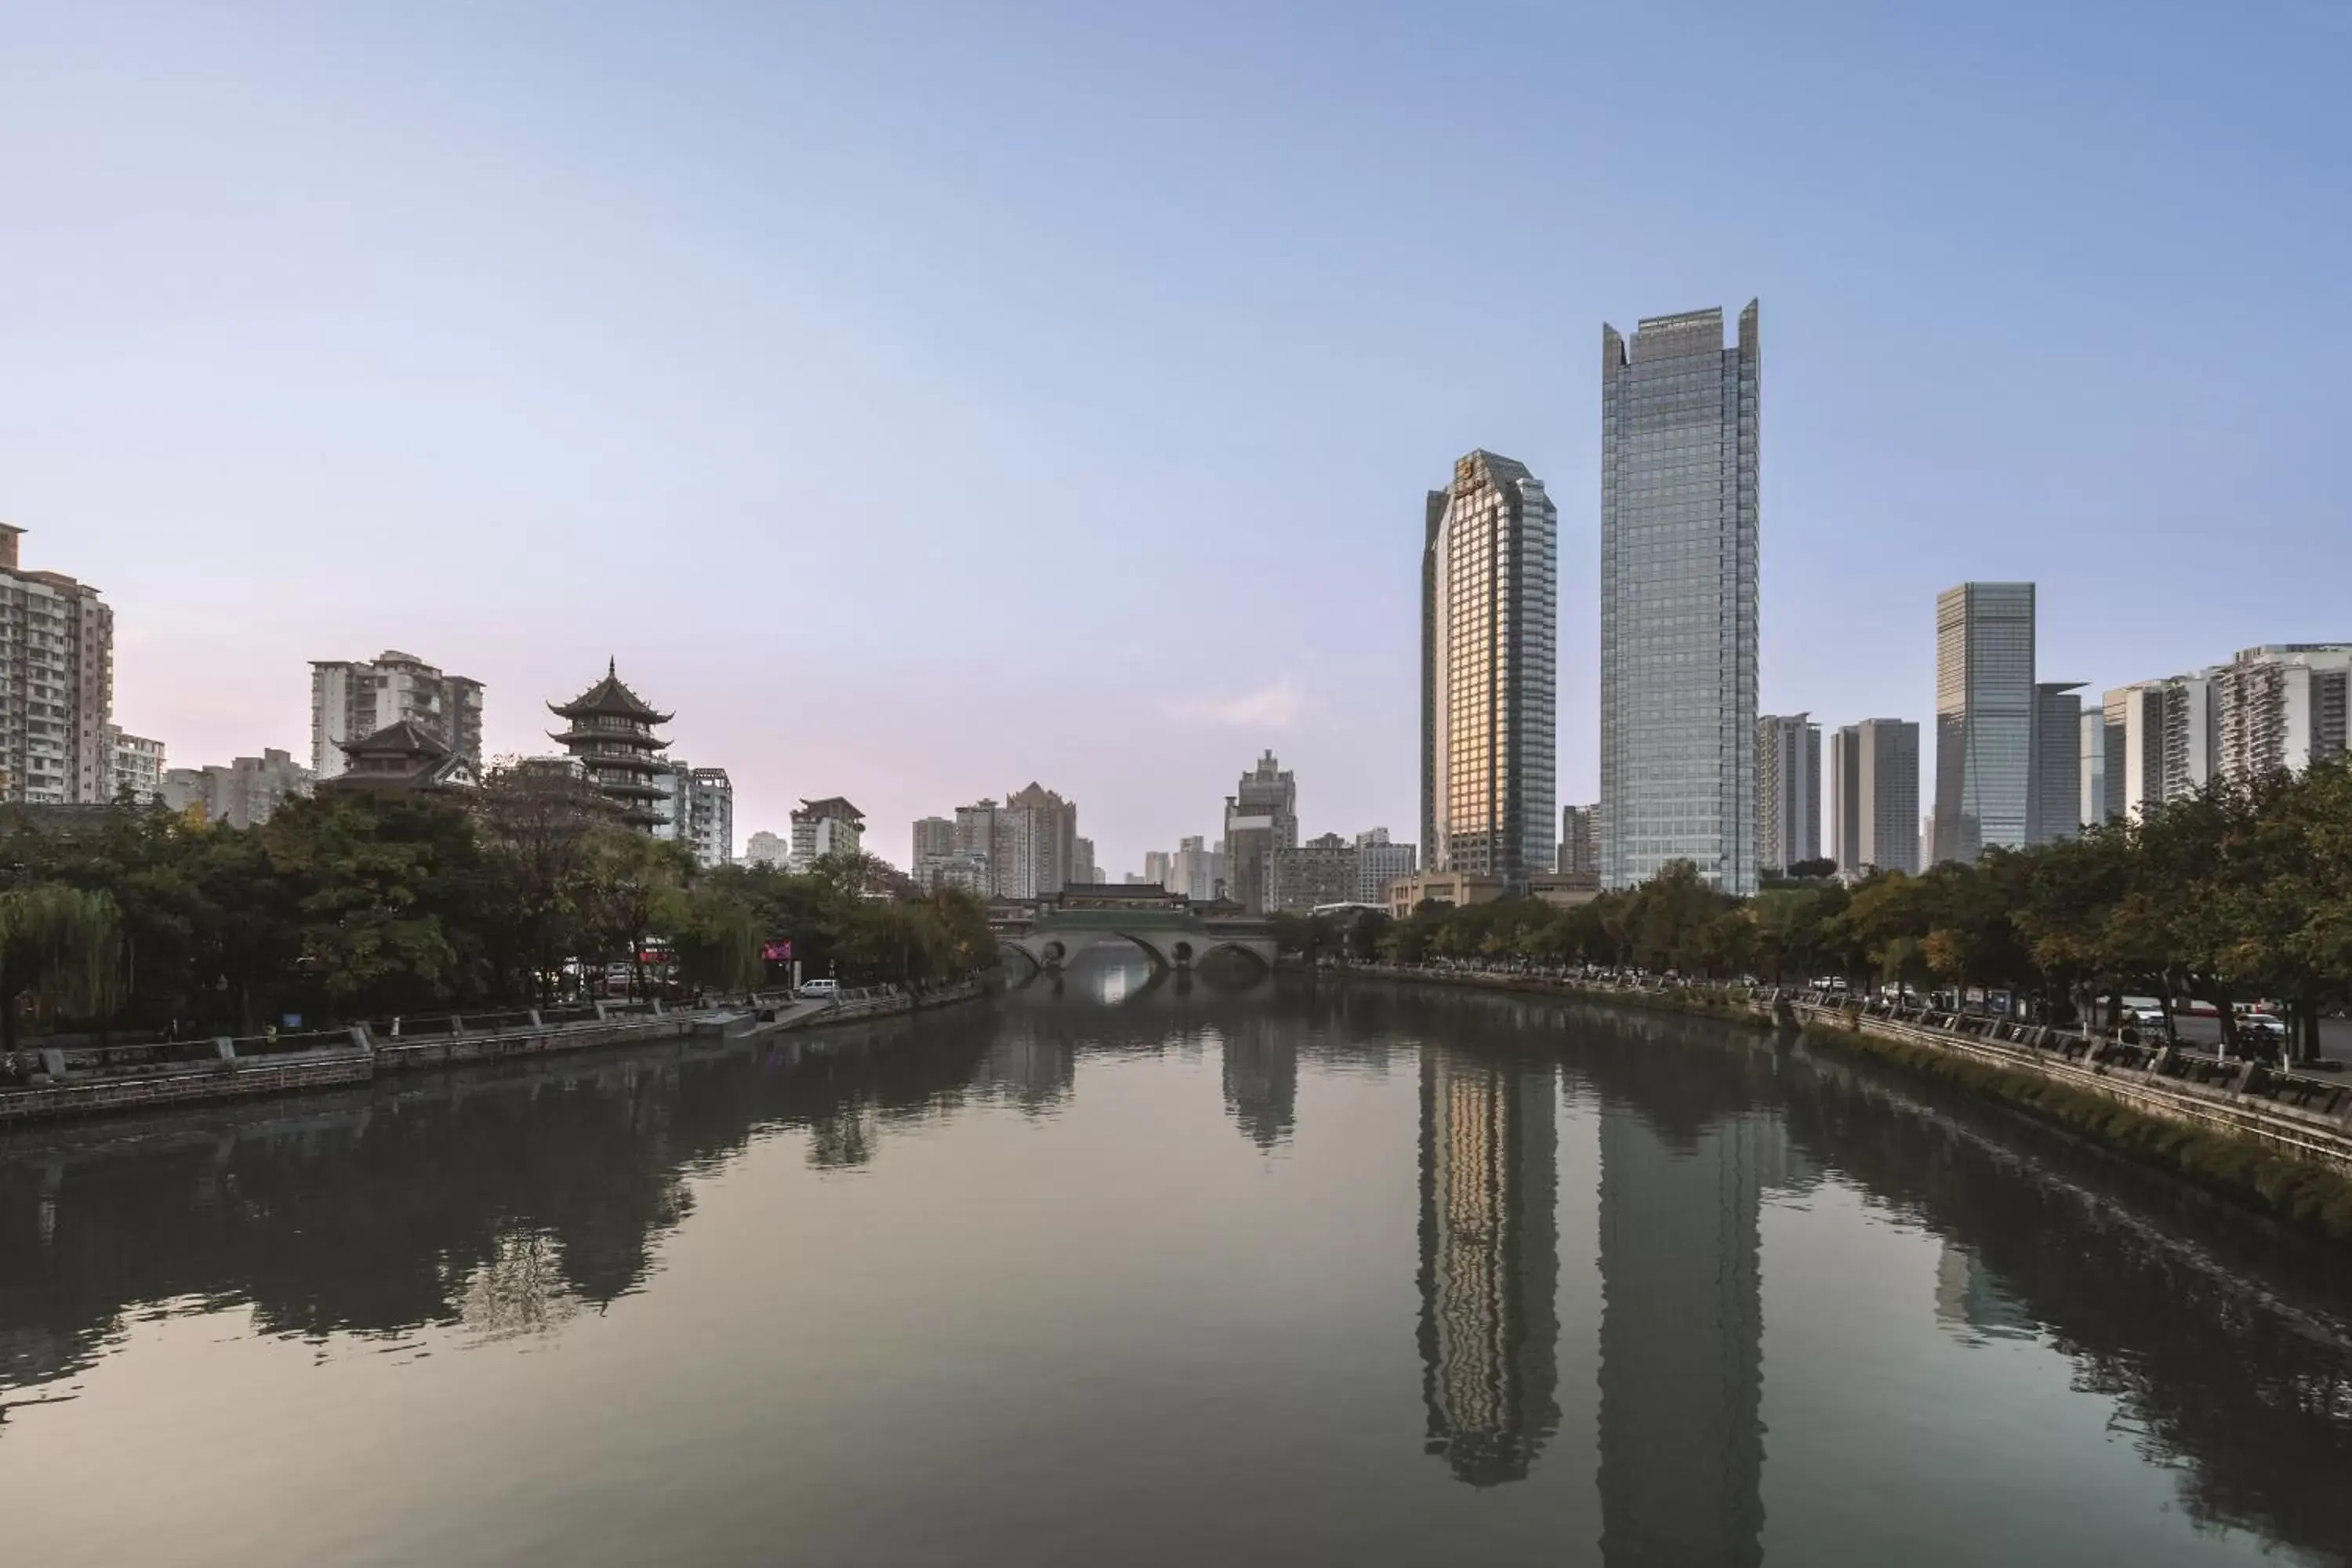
[(62, 947)]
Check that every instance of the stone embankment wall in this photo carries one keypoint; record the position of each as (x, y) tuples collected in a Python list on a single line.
[(2280, 1140), (156, 1075)]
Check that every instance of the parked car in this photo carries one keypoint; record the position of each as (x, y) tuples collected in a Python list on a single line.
[(818, 990)]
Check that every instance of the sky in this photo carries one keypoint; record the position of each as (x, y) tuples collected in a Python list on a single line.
[(921, 399)]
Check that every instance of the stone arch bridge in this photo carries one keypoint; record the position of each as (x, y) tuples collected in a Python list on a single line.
[(1168, 928)]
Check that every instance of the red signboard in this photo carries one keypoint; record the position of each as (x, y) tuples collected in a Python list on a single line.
[(776, 952)]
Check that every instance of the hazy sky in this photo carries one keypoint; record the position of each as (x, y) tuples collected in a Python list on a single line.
[(922, 399)]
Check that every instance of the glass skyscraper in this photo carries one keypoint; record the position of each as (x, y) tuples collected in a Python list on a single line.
[(1490, 673), (1986, 705), (1678, 604)]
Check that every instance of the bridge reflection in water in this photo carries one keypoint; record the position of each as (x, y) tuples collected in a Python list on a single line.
[(505, 1204)]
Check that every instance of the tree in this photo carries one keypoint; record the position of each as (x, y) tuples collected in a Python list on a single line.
[(625, 882), (536, 825), (61, 948), (716, 939)]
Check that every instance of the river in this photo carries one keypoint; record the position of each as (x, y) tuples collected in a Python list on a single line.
[(1366, 1274)]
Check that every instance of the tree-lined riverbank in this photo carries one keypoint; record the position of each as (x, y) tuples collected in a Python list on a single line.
[(2239, 892), (354, 905)]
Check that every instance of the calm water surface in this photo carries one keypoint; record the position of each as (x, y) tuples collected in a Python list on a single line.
[(1120, 1275)]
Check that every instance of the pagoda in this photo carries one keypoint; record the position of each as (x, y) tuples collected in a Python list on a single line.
[(609, 731)]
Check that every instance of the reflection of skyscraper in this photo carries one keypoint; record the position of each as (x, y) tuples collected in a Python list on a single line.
[(1969, 1301), (1489, 1264), (1682, 1326), (1261, 1071)]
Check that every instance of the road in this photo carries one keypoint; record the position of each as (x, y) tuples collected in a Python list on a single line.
[(2335, 1036)]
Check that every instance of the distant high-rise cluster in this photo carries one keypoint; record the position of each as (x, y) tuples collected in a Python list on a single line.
[(1026, 848), (1489, 668), (2279, 707), (242, 794), (1198, 869), (1679, 455), (1261, 864)]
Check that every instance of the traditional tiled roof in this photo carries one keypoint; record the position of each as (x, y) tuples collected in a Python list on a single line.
[(610, 698), (404, 739), (401, 756)]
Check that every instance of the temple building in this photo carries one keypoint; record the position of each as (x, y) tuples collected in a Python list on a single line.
[(609, 732), (401, 758)]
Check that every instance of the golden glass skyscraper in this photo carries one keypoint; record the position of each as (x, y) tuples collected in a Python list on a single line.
[(1490, 673)]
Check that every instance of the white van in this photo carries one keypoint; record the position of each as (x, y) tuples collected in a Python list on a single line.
[(818, 990)]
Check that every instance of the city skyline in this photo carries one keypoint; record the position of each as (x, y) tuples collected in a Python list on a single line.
[(302, 383)]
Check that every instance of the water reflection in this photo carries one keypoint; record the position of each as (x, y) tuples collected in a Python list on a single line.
[(1489, 1263), (1681, 1334), (506, 1206), (1261, 1078)]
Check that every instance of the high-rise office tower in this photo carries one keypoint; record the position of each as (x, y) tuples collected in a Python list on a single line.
[(2093, 751), (352, 699), (57, 685), (2054, 810), (1261, 817), (1679, 451), (1580, 841), (2281, 706), (1985, 706), (1874, 796), (1788, 790), (1490, 672), (1160, 869), (1082, 861)]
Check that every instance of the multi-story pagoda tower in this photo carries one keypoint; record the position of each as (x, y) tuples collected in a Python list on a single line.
[(609, 731)]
